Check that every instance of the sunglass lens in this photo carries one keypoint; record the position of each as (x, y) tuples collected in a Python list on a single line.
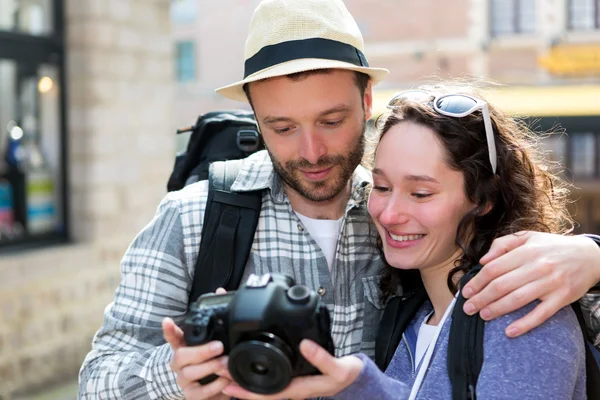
[(455, 104)]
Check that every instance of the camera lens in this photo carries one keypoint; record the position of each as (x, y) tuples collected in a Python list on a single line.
[(262, 364), (259, 369)]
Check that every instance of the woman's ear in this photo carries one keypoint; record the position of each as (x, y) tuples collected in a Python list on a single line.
[(485, 208)]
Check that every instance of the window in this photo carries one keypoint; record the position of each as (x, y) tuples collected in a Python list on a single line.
[(509, 17), (33, 17), (584, 15), (183, 11), (32, 133), (186, 61), (556, 147), (583, 155)]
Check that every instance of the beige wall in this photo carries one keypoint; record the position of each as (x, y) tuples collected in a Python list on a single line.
[(121, 151)]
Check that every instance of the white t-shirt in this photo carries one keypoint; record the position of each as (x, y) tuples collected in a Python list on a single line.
[(326, 233), (424, 338)]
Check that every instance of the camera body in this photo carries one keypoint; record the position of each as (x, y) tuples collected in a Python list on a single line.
[(261, 326)]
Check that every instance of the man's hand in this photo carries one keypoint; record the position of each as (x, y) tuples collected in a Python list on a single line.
[(191, 364), (338, 374), (526, 266)]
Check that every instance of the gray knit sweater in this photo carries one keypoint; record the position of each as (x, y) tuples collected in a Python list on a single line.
[(547, 363)]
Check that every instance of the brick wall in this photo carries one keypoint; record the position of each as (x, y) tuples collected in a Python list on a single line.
[(121, 152)]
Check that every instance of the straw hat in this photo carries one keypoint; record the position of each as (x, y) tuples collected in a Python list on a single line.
[(289, 36)]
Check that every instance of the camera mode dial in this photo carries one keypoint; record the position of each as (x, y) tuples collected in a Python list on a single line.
[(298, 294)]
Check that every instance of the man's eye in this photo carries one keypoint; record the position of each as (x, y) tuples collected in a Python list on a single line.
[(333, 124), (281, 131)]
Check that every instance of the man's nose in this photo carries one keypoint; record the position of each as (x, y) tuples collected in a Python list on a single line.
[(312, 147)]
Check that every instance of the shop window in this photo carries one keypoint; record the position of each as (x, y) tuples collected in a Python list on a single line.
[(584, 15), (33, 17), (186, 61), (510, 17), (32, 136)]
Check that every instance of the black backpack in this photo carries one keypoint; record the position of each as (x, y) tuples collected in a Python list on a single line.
[(230, 218), (465, 343)]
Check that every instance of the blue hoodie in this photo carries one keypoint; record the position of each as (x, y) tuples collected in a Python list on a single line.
[(547, 363)]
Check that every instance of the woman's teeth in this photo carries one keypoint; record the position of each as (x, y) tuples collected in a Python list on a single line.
[(404, 238)]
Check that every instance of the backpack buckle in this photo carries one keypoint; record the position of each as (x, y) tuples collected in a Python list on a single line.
[(248, 140)]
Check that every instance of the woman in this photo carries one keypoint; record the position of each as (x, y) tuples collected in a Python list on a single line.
[(451, 174)]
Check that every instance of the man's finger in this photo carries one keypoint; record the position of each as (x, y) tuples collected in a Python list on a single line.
[(515, 300), (197, 391), (199, 371), (221, 291), (541, 313), (504, 244), (501, 281), (172, 333), (185, 356), (497, 267), (320, 358)]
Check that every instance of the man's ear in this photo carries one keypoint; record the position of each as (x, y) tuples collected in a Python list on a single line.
[(368, 101)]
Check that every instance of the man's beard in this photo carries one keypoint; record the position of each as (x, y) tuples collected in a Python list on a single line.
[(323, 190)]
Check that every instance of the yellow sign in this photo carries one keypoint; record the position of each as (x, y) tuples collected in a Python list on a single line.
[(572, 60)]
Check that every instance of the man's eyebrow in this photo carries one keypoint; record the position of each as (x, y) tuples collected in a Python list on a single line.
[(337, 109), (272, 119), (415, 178)]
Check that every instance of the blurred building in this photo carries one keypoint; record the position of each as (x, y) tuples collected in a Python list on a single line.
[(547, 52), (86, 140)]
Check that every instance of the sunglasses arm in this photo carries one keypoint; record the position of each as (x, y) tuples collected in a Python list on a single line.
[(489, 133)]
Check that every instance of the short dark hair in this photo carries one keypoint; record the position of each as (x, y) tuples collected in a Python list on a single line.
[(361, 79)]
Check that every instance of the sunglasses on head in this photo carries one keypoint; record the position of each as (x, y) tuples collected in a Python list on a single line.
[(453, 105)]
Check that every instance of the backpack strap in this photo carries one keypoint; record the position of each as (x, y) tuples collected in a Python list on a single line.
[(398, 313), (230, 221), (465, 346)]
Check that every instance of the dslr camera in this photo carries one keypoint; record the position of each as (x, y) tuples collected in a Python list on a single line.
[(261, 326)]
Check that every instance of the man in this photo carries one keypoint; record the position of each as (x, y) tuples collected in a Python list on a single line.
[(313, 225)]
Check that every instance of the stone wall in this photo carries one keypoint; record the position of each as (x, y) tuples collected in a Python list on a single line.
[(121, 149)]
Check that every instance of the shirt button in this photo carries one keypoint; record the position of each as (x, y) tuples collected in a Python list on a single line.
[(321, 291), (300, 227)]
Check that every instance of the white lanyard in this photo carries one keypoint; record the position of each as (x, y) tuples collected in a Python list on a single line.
[(427, 357)]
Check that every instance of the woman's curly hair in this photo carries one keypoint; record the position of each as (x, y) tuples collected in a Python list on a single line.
[(526, 193)]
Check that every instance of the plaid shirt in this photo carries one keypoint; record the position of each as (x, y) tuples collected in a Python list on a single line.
[(129, 357)]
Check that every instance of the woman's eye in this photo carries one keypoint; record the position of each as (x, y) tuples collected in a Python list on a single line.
[(380, 189), (421, 195)]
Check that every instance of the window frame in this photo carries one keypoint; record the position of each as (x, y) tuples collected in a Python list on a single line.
[(573, 125), (35, 51), (516, 22), (571, 28), (178, 65)]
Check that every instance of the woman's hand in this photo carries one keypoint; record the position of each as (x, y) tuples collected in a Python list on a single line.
[(338, 374)]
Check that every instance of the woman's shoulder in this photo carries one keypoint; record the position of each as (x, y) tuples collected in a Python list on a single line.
[(561, 329)]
